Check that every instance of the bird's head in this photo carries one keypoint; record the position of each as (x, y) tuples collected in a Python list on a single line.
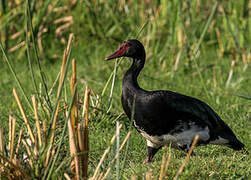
[(131, 48)]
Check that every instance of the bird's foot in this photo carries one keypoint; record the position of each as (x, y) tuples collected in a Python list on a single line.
[(192, 154), (186, 149), (147, 160), (151, 151)]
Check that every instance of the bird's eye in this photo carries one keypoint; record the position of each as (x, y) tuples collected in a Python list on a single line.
[(128, 44)]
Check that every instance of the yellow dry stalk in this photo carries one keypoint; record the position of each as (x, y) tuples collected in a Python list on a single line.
[(163, 164), (95, 175), (27, 147), (74, 111), (187, 157), (149, 175), (167, 163), (62, 72), (86, 138), (10, 130), (134, 177), (221, 47), (37, 120), (73, 150), (12, 137), (106, 174), (18, 145), (116, 156), (1, 143), (24, 115)]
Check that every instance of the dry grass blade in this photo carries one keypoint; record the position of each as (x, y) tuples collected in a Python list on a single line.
[(117, 149), (16, 47), (66, 52), (50, 169), (187, 157), (54, 83), (80, 137), (73, 150), (103, 156), (61, 80), (134, 177), (10, 127), (177, 61), (72, 123), (221, 51), (37, 121), (167, 163), (122, 145), (59, 9), (85, 147), (24, 116), (116, 156), (163, 164), (149, 175), (29, 159), (39, 38), (54, 125), (63, 20), (61, 29), (100, 176), (125, 140), (106, 174), (1, 142), (71, 36), (48, 155), (74, 111), (215, 79), (67, 176), (230, 73), (16, 35), (58, 93), (62, 71), (13, 129), (18, 145)]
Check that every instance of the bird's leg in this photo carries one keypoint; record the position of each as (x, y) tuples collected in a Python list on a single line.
[(186, 149), (152, 149)]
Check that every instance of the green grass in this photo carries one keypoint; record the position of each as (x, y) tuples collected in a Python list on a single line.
[(165, 28)]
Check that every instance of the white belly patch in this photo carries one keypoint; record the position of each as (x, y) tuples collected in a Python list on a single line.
[(182, 138)]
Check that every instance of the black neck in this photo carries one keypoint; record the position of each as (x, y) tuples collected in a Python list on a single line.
[(132, 73)]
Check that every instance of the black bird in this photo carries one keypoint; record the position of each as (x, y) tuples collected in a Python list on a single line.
[(164, 117)]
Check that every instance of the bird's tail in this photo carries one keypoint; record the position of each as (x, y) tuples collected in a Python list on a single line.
[(233, 142), (236, 145)]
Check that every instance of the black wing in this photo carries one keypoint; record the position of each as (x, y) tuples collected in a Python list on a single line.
[(162, 112)]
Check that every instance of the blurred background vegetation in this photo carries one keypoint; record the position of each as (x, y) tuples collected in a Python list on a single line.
[(200, 48)]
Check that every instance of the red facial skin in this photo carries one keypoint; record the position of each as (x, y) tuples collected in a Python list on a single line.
[(121, 51)]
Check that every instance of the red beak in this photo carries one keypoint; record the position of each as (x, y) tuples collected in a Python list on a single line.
[(119, 53)]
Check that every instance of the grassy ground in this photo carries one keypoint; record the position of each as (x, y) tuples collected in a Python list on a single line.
[(183, 55)]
